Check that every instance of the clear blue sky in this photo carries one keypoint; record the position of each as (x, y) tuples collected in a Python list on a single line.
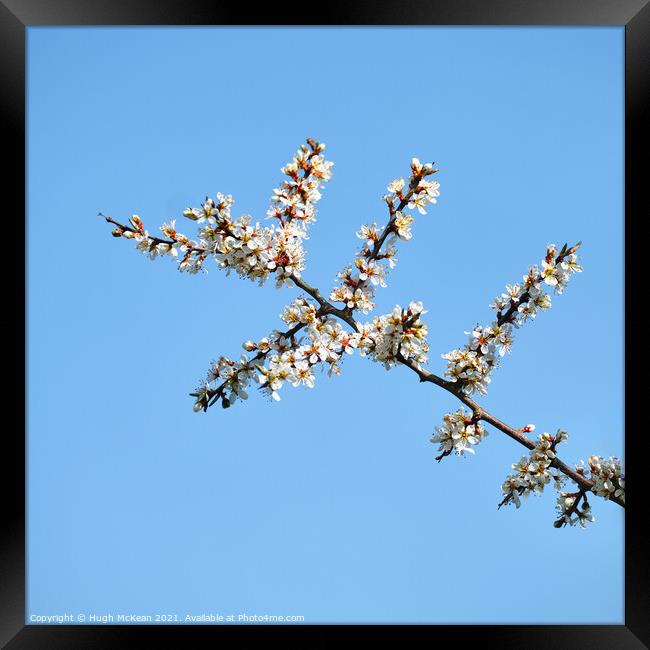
[(327, 504)]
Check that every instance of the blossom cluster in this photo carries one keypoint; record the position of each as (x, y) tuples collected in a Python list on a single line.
[(282, 357), (532, 472), (459, 432), (608, 481), (608, 477), (573, 509), (299, 311), (473, 364), (234, 376), (359, 281), (252, 251), (327, 341), (400, 333)]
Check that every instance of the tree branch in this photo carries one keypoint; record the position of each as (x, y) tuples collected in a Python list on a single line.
[(210, 395)]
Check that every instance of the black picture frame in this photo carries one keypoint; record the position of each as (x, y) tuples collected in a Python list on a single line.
[(17, 15)]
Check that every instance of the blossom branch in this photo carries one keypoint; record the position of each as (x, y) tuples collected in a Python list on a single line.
[(356, 289), (208, 396), (399, 337)]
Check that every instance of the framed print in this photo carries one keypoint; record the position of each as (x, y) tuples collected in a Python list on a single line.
[(325, 322)]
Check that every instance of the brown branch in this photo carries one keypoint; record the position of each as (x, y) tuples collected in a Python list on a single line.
[(155, 240), (326, 307)]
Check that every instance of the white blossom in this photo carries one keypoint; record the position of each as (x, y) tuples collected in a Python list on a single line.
[(396, 186), (300, 311), (608, 477), (532, 472), (399, 332), (573, 513), (459, 432)]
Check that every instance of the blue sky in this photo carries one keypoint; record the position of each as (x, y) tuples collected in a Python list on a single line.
[(327, 504)]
